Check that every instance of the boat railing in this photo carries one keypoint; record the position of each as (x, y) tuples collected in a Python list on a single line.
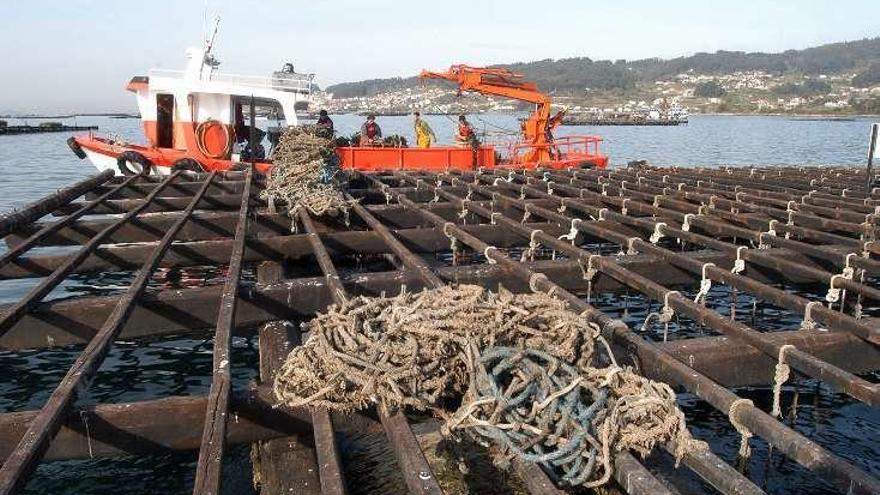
[(569, 147), (279, 81)]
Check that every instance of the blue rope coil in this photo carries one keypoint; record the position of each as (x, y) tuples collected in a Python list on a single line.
[(539, 409)]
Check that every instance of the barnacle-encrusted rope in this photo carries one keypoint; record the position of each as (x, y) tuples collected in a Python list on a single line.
[(302, 174), (536, 407), (520, 365), (408, 350)]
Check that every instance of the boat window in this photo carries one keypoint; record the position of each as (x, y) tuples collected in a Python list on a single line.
[(165, 121), (269, 122)]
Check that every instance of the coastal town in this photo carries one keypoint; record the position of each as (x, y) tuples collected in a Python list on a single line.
[(747, 92)]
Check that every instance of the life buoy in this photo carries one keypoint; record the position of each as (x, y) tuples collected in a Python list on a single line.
[(209, 136), (128, 158), (75, 148), (188, 164)]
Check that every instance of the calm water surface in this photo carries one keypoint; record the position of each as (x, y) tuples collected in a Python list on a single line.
[(33, 165)]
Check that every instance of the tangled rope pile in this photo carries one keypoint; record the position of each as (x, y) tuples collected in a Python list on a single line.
[(540, 409), (409, 350), (518, 364), (302, 172)]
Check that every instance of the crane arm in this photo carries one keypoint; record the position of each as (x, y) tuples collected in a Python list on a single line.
[(488, 81)]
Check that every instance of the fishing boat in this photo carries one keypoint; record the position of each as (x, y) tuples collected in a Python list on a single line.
[(201, 120)]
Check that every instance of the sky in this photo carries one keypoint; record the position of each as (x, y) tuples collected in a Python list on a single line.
[(76, 55)]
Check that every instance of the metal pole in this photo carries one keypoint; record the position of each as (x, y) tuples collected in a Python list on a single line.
[(253, 136), (872, 149)]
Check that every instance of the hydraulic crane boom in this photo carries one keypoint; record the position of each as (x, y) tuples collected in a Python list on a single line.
[(502, 82)]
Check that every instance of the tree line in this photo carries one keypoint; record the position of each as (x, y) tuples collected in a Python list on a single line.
[(583, 74)]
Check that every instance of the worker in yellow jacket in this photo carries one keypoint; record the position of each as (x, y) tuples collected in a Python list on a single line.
[(424, 134)]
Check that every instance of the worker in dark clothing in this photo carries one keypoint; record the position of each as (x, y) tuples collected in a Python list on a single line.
[(465, 137), (324, 126), (371, 133)]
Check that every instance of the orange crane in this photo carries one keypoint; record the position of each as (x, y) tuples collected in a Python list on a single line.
[(502, 82)]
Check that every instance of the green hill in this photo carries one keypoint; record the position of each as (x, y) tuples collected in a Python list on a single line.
[(575, 74)]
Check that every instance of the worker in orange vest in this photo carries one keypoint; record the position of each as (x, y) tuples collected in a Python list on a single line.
[(465, 137), (371, 133)]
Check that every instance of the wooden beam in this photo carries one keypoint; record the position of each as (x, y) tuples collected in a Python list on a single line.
[(288, 464), (182, 310)]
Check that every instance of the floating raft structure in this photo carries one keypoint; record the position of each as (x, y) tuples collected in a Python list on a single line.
[(662, 233), (42, 128)]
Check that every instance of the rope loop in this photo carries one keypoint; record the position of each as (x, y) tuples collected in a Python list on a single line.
[(573, 232), (686, 225), (705, 285), (780, 376), (744, 450), (522, 193), (808, 323), (602, 213), (493, 218), (526, 214), (630, 250), (771, 231), (464, 209), (489, 259), (739, 265), (623, 208), (529, 254), (550, 187), (657, 235)]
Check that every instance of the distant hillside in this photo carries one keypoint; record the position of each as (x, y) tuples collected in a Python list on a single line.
[(575, 74)]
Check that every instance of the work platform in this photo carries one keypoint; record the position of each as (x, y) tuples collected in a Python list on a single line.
[(800, 239)]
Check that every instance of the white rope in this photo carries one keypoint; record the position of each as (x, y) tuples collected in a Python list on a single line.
[(526, 214), (780, 376), (629, 245), (623, 208), (562, 206), (664, 316), (739, 264), (464, 209), (603, 212), (604, 189), (493, 217), (833, 294), (533, 245), (656, 203), (808, 323), (657, 235), (522, 193), (550, 188), (686, 225), (745, 434), (771, 231), (453, 242), (486, 254), (705, 285), (573, 232), (589, 273)]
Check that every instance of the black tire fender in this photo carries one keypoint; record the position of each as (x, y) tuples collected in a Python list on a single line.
[(586, 165), (123, 160), (75, 148), (189, 165)]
